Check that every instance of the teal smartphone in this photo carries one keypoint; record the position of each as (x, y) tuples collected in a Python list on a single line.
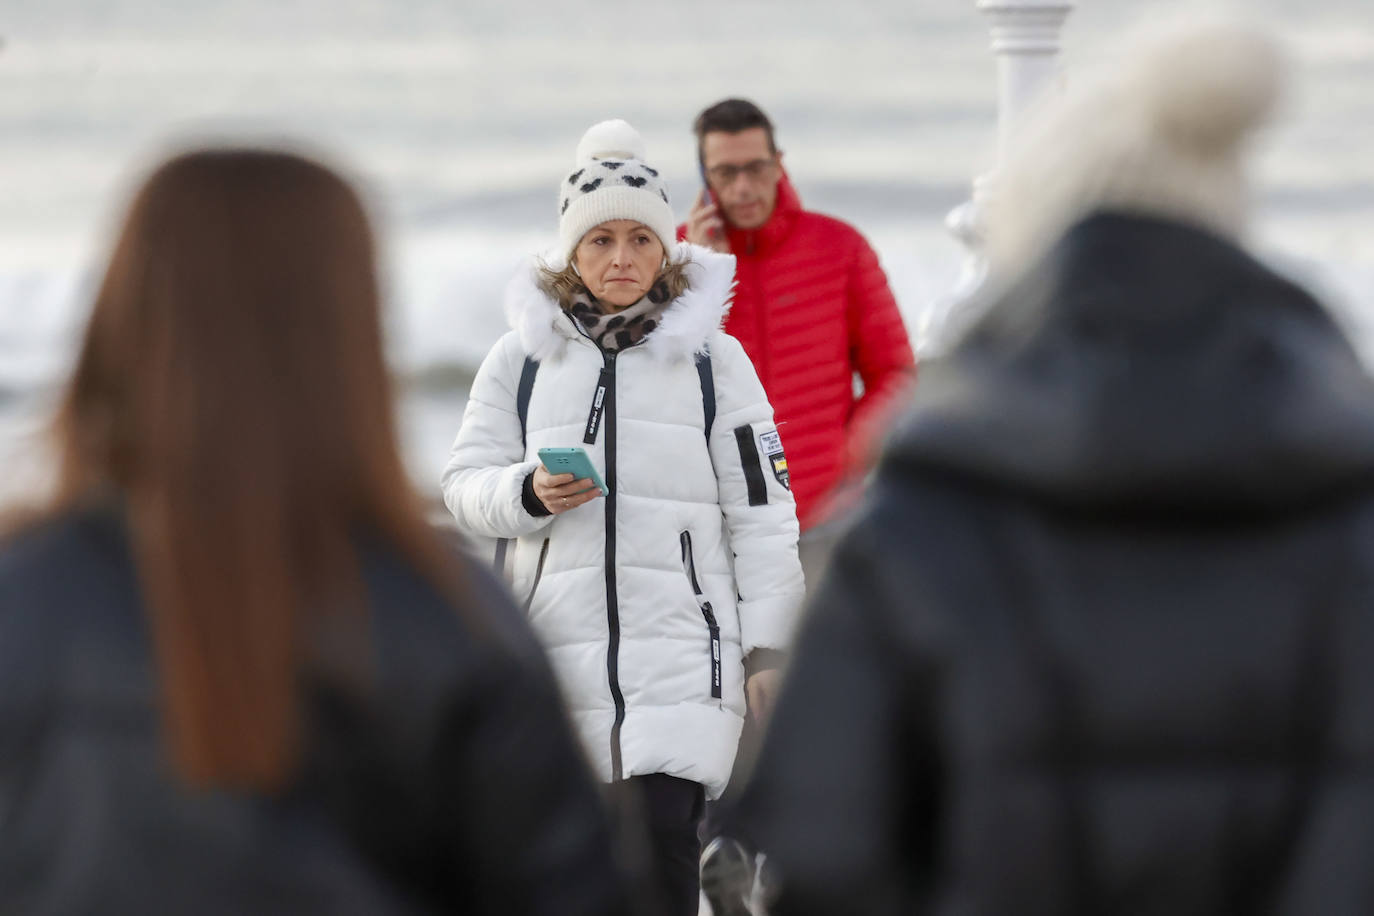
[(574, 461)]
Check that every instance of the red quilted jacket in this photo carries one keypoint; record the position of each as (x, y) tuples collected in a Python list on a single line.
[(812, 308)]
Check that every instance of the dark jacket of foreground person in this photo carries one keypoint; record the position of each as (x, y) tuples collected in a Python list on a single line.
[(449, 783), (1103, 640)]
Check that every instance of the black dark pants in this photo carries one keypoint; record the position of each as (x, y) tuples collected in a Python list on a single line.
[(669, 811)]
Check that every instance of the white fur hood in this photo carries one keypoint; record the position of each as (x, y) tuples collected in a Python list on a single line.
[(687, 322)]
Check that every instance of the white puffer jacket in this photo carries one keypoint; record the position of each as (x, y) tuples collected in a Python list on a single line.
[(693, 554)]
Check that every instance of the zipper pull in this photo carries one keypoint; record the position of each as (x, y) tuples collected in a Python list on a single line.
[(603, 385), (714, 630)]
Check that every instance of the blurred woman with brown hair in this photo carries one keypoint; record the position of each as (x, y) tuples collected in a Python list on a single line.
[(238, 670)]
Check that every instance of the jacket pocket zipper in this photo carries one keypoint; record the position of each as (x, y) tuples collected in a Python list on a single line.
[(538, 573), (712, 627)]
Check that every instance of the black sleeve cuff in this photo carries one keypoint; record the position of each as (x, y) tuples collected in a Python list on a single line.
[(531, 502)]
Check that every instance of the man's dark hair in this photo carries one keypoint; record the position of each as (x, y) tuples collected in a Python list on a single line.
[(732, 116)]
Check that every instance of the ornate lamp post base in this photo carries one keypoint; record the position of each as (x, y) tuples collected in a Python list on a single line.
[(1026, 41)]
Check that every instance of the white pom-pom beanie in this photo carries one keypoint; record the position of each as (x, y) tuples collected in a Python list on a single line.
[(610, 181), (1161, 133)]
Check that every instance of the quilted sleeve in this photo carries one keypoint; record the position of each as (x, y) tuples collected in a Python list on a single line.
[(756, 500), (487, 466), (879, 350)]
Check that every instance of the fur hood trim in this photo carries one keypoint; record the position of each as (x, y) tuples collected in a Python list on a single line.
[(684, 329)]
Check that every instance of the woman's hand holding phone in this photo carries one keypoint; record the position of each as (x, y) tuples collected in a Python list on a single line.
[(705, 226), (560, 492)]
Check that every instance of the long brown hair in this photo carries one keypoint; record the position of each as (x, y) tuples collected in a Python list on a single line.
[(231, 394)]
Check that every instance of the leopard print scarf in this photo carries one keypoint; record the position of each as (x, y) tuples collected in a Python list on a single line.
[(622, 329)]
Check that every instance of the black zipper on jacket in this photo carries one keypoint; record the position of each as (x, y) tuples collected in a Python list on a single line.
[(538, 574), (612, 600), (713, 628)]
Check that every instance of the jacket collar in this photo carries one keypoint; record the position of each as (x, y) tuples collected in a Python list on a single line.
[(772, 233), (684, 329)]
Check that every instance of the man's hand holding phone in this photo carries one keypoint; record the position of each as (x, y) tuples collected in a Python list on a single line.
[(705, 226)]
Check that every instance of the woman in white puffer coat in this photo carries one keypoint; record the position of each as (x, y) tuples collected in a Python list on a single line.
[(658, 597)]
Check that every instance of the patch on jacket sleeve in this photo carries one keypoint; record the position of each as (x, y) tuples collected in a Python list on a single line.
[(771, 444)]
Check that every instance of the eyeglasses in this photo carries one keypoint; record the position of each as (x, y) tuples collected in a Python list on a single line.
[(725, 175)]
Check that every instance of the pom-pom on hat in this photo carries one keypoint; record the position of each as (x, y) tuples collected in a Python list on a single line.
[(610, 181), (1161, 133)]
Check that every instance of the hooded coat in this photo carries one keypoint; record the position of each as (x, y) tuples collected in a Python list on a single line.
[(1123, 664), (648, 599)]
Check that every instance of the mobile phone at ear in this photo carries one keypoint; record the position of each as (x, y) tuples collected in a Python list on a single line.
[(705, 183), (706, 188), (574, 461)]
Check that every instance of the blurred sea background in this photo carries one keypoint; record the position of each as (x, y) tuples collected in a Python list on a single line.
[(459, 119)]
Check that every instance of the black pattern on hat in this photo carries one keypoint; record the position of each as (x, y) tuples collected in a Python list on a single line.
[(635, 190)]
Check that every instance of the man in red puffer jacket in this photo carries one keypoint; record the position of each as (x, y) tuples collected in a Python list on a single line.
[(812, 308)]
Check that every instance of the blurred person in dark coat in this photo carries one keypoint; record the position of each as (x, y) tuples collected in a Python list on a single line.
[(1103, 639), (239, 673)]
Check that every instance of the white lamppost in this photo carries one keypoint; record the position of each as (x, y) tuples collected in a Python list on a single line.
[(1026, 42)]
